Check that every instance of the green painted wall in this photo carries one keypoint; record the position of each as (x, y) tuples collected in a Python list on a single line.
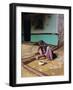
[(50, 39)]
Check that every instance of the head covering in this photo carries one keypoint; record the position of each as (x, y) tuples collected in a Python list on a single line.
[(41, 42)]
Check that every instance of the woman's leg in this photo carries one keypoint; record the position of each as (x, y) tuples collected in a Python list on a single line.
[(50, 54)]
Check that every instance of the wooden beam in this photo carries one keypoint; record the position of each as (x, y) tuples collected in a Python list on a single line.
[(38, 73)]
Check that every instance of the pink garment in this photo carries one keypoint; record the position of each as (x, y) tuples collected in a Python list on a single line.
[(48, 52)]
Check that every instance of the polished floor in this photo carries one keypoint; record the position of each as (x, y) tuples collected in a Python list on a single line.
[(32, 67)]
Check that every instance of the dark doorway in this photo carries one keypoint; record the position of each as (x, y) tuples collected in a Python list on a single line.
[(26, 27)]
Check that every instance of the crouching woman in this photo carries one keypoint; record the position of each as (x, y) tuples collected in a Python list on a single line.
[(45, 50)]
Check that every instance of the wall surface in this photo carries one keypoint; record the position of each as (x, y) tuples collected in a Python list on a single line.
[(61, 29), (4, 45), (49, 39), (49, 25)]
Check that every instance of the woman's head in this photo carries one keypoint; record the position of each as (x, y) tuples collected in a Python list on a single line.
[(42, 43)]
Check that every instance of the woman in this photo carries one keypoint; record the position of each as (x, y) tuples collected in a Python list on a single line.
[(45, 50)]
